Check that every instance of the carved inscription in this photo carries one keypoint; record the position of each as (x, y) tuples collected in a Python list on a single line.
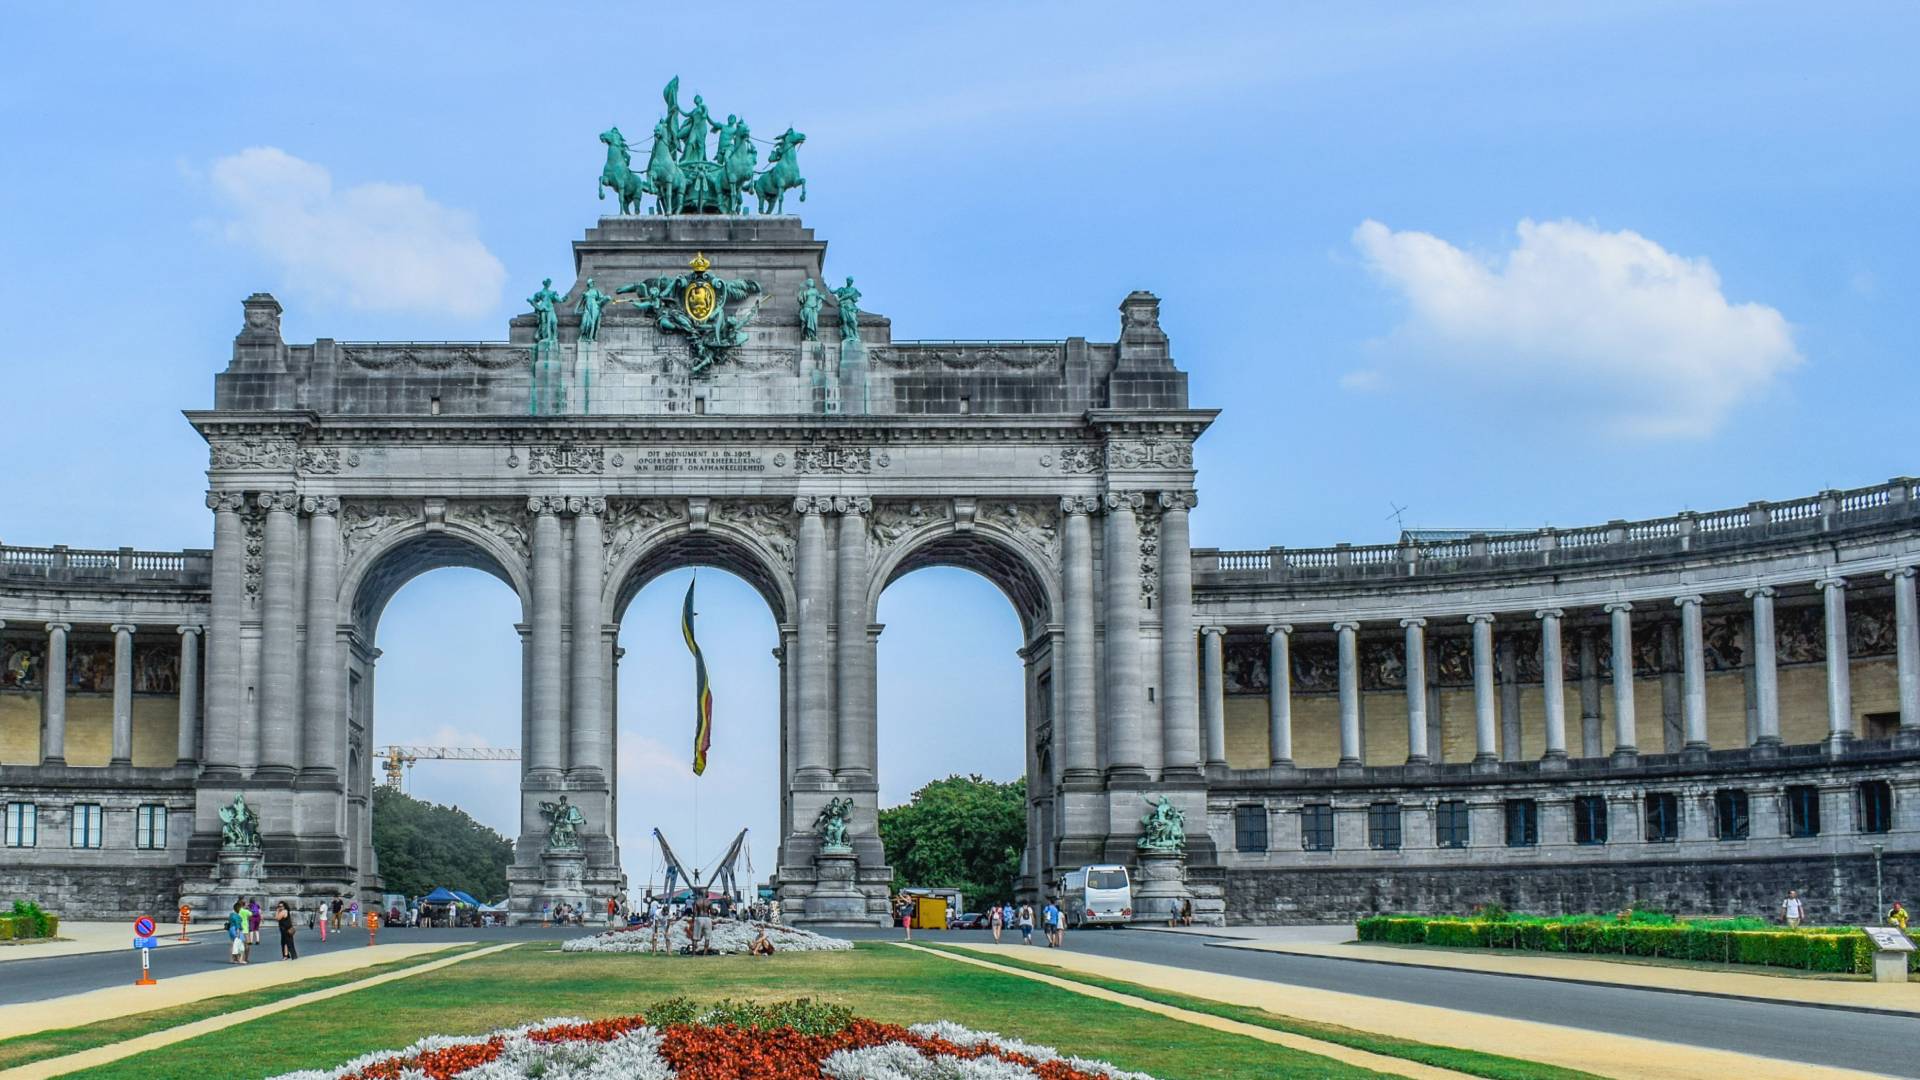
[(697, 459)]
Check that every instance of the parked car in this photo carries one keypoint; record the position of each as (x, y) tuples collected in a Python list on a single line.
[(971, 920)]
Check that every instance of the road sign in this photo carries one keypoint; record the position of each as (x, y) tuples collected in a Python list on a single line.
[(146, 943), (143, 927)]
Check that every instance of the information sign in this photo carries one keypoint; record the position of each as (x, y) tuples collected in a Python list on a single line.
[(1888, 939)]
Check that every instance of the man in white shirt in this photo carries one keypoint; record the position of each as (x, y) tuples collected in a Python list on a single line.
[(1793, 909)]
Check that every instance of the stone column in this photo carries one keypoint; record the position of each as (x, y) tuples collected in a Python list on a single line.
[(1181, 715), (1485, 747), (1507, 676), (1590, 742), (279, 655), (1693, 674), (1081, 755), (1214, 704), (1416, 634), (1348, 635), (1839, 669), (546, 755), (854, 648), (589, 745), (220, 749), (1906, 648), (1553, 683), (1625, 742), (53, 739), (188, 750), (324, 725), (1122, 615), (815, 726), (1766, 680), (123, 693), (1279, 696)]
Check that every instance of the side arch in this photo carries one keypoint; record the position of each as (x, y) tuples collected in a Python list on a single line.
[(374, 574)]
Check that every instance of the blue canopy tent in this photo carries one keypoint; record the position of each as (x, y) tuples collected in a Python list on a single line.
[(443, 896), (465, 899)]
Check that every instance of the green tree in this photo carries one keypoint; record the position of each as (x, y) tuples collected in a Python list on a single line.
[(963, 832), (423, 845)]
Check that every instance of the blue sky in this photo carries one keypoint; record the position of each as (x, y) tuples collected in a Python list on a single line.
[(1503, 265)]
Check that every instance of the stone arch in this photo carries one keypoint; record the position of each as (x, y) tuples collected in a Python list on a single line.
[(374, 575), (673, 545), (1027, 577)]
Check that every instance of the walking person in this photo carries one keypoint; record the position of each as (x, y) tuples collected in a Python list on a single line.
[(251, 918), (1026, 924), (905, 911), (1793, 909), (339, 907), (996, 921), (1051, 917), (283, 916), (237, 933)]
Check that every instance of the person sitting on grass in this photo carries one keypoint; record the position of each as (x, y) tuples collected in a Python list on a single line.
[(761, 946)]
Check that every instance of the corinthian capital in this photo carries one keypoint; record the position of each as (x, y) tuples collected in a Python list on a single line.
[(1179, 500), (278, 501), (319, 505), (1079, 504), (226, 502)]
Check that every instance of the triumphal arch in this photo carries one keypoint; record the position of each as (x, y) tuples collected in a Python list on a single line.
[(1698, 711), (698, 395)]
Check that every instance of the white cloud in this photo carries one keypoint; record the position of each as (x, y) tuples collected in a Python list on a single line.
[(377, 246), (1362, 381), (1607, 326)]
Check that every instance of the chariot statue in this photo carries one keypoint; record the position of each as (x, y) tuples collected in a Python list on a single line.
[(239, 826), (1164, 828), (683, 180), (564, 821)]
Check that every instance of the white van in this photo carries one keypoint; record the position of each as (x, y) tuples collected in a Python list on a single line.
[(1097, 895)]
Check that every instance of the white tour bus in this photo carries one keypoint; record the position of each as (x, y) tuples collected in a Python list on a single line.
[(1096, 895)]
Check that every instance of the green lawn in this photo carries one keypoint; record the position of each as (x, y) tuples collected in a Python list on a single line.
[(876, 980)]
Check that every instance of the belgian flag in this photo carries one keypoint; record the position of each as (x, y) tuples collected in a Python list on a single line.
[(702, 692)]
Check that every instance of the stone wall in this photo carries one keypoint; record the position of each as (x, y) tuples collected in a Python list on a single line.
[(96, 892), (1837, 888)]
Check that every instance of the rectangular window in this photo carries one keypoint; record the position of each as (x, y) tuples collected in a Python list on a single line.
[(1383, 826), (1316, 827), (1876, 806), (1803, 810), (1590, 819), (86, 826), (1730, 814), (150, 827), (1450, 823), (1523, 823), (22, 824), (1250, 828), (1663, 817)]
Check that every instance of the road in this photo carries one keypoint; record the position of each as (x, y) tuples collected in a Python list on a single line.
[(1856, 1040)]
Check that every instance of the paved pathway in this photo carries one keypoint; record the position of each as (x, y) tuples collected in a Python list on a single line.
[(97, 937), (101, 1055), (1362, 1058), (1605, 1053)]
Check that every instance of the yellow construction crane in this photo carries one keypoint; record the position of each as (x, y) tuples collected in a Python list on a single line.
[(397, 759)]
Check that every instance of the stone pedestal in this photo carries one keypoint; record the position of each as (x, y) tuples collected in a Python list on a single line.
[(239, 870), (563, 878), (1160, 885), (836, 898)]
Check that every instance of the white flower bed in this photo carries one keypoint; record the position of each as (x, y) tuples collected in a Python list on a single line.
[(728, 936), (637, 1055)]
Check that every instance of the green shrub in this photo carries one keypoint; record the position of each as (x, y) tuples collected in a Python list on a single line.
[(27, 920), (1644, 933), (804, 1015)]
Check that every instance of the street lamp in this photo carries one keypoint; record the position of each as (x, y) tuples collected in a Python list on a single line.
[(1879, 894)]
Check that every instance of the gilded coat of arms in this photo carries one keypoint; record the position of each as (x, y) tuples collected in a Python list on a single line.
[(694, 305)]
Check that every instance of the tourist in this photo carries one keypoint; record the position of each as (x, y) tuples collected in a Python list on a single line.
[(253, 925), (905, 913), (760, 946), (1026, 924), (613, 910), (1897, 916), (237, 934), (283, 916), (996, 921), (1186, 911), (339, 908), (1006, 914), (1051, 916), (1793, 909)]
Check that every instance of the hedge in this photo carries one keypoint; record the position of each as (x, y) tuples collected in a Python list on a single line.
[(1829, 949), (26, 920)]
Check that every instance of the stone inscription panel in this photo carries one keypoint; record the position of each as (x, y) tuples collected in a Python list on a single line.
[(697, 459)]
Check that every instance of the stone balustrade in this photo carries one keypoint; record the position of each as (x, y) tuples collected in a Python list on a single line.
[(120, 566)]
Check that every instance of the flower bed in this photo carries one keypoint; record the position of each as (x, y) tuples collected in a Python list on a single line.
[(1836, 949), (728, 936), (788, 1041)]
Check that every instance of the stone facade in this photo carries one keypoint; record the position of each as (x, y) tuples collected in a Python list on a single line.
[(1334, 704)]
